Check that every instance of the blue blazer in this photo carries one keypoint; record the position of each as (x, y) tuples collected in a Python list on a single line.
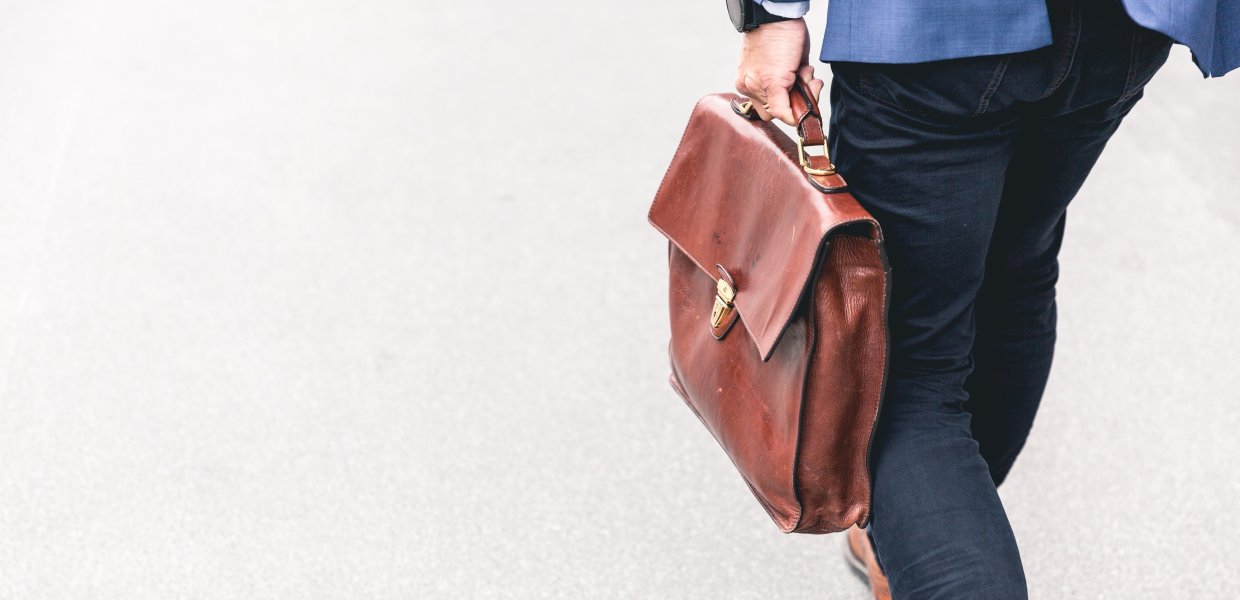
[(905, 31)]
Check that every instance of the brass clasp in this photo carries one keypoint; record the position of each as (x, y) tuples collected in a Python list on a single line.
[(724, 314), (724, 295)]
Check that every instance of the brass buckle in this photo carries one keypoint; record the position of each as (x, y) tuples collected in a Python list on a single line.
[(724, 295), (830, 170)]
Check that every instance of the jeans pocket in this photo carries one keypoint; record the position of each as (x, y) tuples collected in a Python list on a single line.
[(1150, 50), (958, 87)]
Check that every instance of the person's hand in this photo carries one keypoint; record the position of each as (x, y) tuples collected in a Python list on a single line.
[(772, 57)]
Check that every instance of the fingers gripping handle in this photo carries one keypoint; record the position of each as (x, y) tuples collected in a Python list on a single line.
[(805, 112), (818, 168)]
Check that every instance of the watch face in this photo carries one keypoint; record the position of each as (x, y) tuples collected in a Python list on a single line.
[(736, 12)]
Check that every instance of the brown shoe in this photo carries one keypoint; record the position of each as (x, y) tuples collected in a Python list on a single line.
[(860, 556)]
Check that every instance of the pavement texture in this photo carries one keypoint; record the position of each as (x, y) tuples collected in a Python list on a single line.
[(326, 299)]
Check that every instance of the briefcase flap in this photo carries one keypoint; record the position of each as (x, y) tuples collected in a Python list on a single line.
[(735, 195)]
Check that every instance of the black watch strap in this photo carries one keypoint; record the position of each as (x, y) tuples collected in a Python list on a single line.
[(747, 15), (761, 16)]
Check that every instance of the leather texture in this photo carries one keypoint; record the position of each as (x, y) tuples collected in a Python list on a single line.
[(793, 386)]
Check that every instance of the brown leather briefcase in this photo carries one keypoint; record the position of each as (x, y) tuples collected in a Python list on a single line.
[(778, 296)]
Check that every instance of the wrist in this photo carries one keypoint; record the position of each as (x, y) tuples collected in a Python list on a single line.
[(779, 28), (781, 23)]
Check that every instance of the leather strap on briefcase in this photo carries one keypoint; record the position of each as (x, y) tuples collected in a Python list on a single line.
[(778, 301)]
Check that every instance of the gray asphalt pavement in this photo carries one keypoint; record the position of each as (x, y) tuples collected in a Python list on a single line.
[(326, 299)]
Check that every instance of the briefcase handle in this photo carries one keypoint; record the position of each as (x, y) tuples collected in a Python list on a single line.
[(809, 133)]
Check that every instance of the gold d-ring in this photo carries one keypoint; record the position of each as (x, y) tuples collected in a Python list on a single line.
[(804, 158)]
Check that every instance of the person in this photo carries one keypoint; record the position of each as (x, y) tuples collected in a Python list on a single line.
[(966, 127)]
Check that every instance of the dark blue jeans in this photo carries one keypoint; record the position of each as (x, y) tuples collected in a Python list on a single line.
[(969, 165)]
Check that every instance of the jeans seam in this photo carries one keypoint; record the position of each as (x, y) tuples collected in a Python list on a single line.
[(1074, 32), (1133, 61), (995, 79)]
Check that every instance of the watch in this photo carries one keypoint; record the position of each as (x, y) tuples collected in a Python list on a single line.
[(747, 15)]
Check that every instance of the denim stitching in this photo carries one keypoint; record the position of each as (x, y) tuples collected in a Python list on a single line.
[(1133, 61), (1074, 32), (1000, 70)]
